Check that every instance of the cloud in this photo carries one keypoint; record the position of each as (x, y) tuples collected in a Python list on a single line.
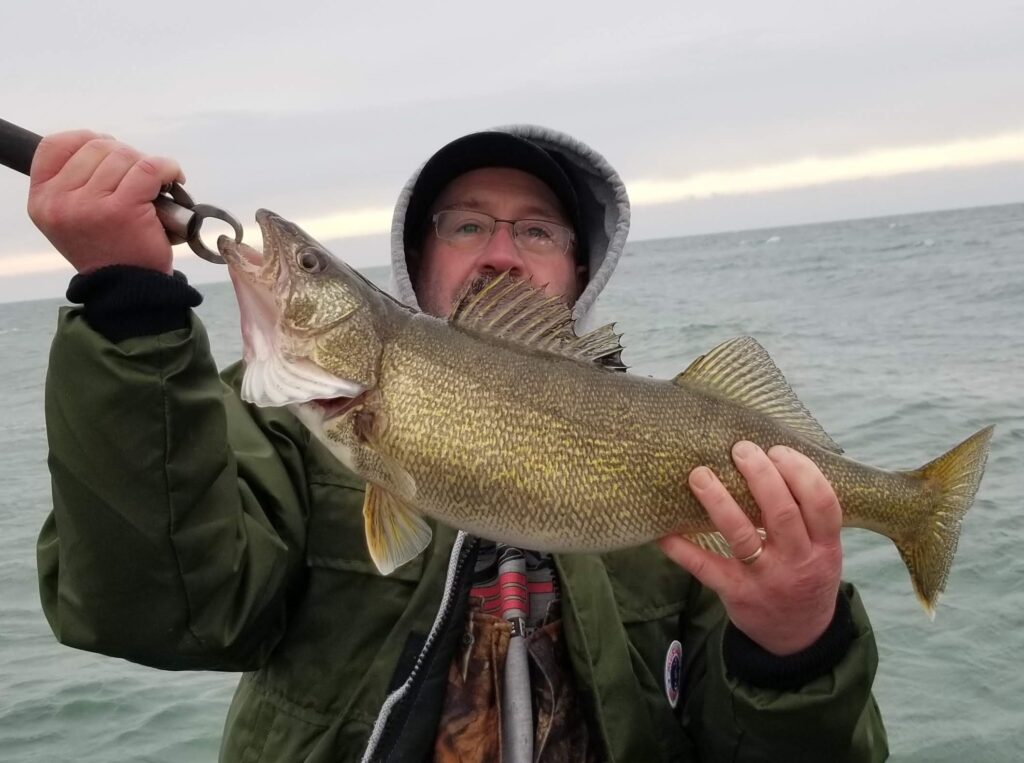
[(32, 264), (814, 171), (361, 222), (348, 223), (1003, 148)]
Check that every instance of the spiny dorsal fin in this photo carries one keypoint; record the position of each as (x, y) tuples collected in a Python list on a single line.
[(514, 310), (742, 371)]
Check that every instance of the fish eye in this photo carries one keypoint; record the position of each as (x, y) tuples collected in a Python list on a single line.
[(309, 260)]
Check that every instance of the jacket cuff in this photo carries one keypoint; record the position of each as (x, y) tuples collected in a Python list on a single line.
[(122, 301), (747, 661)]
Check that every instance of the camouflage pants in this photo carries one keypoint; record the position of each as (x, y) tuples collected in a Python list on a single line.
[(470, 728)]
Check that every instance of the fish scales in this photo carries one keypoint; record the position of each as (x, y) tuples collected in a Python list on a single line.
[(497, 430), (501, 421)]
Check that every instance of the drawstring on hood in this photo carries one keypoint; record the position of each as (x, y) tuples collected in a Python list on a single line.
[(603, 212)]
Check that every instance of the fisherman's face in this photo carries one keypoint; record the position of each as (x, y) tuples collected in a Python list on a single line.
[(506, 194)]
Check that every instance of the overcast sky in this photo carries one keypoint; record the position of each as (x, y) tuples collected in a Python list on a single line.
[(740, 115)]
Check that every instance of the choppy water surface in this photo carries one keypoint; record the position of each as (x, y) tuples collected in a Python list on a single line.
[(903, 335)]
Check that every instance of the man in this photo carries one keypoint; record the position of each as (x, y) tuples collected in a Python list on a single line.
[(192, 531)]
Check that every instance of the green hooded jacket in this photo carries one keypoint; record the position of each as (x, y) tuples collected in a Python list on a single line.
[(191, 531)]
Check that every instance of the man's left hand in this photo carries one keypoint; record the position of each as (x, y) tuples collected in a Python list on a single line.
[(785, 598)]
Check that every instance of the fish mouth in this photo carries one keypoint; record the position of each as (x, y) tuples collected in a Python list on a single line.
[(240, 257), (263, 267), (278, 371)]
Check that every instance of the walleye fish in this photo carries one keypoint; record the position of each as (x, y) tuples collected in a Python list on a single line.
[(503, 422)]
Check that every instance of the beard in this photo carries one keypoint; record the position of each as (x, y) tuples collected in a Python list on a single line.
[(476, 285)]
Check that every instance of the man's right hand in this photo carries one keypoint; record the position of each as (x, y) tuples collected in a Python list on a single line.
[(92, 197)]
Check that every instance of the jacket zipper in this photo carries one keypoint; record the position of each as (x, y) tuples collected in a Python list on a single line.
[(456, 564)]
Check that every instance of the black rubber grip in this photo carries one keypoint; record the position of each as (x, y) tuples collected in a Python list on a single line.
[(17, 146)]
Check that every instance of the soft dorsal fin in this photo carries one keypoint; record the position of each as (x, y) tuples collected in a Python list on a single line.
[(515, 310), (742, 371)]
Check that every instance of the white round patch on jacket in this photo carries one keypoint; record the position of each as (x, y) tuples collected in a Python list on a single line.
[(673, 672)]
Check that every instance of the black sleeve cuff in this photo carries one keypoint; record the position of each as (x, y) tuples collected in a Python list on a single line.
[(748, 662), (122, 301)]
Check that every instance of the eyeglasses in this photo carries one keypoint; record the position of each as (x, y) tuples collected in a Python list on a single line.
[(468, 229)]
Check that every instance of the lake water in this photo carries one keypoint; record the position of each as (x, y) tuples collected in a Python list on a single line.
[(903, 335)]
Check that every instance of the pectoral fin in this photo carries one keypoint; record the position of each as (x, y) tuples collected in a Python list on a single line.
[(715, 542), (395, 533)]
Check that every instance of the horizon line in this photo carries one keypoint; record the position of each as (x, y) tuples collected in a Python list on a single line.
[(806, 172)]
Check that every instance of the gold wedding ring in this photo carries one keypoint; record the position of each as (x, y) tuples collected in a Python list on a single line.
[(754, 556)]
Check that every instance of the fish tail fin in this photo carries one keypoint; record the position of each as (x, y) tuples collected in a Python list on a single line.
[(952, 480)]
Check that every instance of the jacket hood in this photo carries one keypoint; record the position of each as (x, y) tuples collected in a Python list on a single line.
[(604, 209)]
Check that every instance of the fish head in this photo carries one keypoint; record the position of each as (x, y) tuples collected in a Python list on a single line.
[(312, 327)]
